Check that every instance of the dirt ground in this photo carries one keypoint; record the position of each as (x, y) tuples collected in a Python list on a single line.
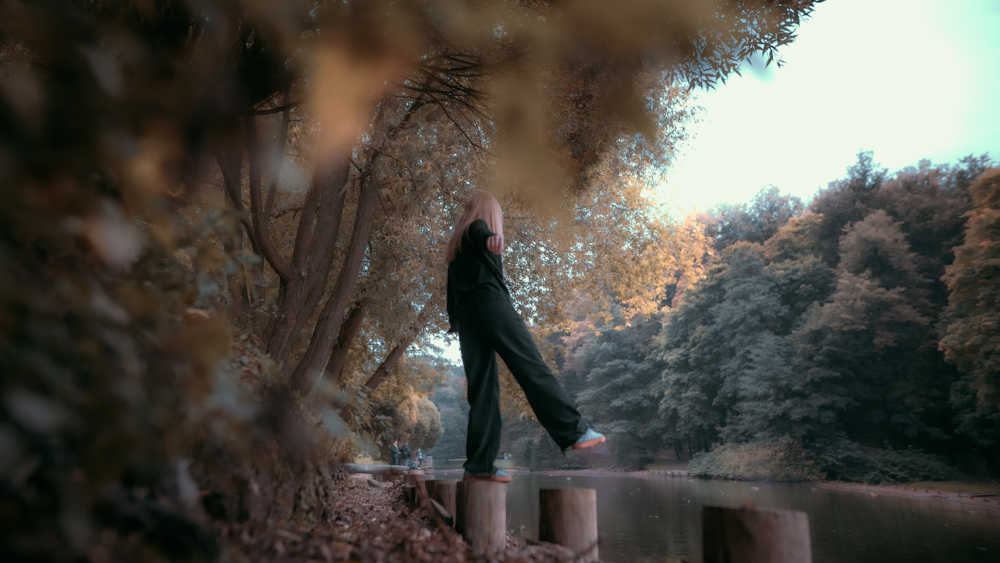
[(370, 523)]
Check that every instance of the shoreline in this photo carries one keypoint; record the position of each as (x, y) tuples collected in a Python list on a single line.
[(975, 503), (981, 503)]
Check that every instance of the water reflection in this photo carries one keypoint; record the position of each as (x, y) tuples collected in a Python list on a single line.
[(656, 518)]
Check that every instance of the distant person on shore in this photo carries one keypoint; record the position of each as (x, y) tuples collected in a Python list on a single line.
[(406, 453), (480, 311), (395, 452)]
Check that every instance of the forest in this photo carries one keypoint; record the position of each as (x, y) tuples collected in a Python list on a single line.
[(845, 339), (222, 226)]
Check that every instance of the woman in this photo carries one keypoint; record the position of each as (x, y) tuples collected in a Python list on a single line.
[(480, 311)]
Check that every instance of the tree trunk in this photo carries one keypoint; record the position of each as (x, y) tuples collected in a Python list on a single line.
[(350, 330), (231, 164), (315, 243), (387, 365), (307, 373)]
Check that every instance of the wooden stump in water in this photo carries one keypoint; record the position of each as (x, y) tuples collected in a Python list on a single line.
[(568, 517), (411, 481), (481, 514), (444, 491), (745, 535)]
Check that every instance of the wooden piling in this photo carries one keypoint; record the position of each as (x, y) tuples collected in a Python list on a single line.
[(481, 514), (412, 479), (744, 535), (444, 492), (411, 482), (568, 517)]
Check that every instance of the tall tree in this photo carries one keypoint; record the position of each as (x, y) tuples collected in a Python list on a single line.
[(971, 333)]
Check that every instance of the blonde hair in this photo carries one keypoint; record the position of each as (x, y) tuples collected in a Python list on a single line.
[(480, 206)]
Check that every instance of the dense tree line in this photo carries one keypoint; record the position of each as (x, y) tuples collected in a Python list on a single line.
[(843, 339)]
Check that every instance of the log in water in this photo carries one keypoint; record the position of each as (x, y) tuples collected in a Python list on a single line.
[(746, 535), (568, 517)]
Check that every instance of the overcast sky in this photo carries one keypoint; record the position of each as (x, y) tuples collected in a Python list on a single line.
[(907, 79)]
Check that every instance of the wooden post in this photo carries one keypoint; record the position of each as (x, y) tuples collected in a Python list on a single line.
[(568, 517), (744, 535), (412, 479), (481, 508), (444, 491)]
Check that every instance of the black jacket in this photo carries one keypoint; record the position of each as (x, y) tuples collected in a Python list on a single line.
[(475, 274)]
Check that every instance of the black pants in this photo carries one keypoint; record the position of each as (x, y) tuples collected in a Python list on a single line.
[(493, 327)]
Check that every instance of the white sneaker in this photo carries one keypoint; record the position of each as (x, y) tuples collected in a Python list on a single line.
[(589, 439)]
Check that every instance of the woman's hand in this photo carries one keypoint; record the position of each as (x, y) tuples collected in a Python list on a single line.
[(495, 244)]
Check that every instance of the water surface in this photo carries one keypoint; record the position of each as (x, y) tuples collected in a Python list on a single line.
[(657, 518)]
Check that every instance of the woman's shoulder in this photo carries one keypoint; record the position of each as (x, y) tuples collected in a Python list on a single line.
[(479, 224)]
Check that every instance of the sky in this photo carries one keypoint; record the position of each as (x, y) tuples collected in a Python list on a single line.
[(906, 79)]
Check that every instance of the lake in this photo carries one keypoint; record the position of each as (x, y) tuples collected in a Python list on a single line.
[(657, 518)]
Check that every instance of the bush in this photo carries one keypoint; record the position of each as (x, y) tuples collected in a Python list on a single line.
[(755, 462), (898, 466), (839, 459)]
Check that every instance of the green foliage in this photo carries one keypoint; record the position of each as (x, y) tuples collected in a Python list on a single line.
[(451, 402), (622, 386), (893, 466), (838, 459), (729, 223), (755, 461), (971, 334), (530, 445), (977, 419), (411, 419), (791, 354), (726, 348)]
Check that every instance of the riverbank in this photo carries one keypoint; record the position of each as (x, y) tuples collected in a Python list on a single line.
[(977, 501), (369, 522), (967, 496)]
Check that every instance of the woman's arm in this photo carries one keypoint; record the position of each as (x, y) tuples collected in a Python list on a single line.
[(484, 238)]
